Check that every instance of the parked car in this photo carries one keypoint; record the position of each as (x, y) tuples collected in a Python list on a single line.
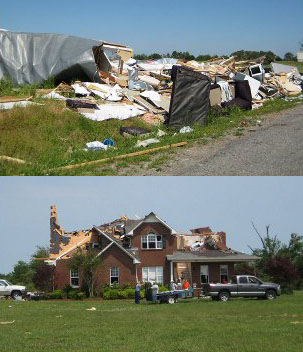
[(15, 291), (242, 286)]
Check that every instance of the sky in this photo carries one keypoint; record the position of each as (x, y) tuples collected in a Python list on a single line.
[(224, 203), (200, 27)]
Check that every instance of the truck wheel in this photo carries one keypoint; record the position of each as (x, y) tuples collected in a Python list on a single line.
[(171, 300), (270, 294), (16, 294), (224, 296)]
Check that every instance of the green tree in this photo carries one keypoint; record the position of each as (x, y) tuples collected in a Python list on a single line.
[(87, 263), (290, 57)]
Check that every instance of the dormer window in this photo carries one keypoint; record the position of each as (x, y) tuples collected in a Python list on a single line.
[(152, 241)]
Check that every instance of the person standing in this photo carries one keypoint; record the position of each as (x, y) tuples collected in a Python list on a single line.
[(155, 290), (137, 293), (173, 286)]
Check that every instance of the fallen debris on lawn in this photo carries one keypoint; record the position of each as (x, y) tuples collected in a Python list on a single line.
[(7, 322), (118, 157)]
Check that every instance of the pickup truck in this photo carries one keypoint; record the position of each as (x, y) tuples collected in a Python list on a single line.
[(7, 289), (242, 286)]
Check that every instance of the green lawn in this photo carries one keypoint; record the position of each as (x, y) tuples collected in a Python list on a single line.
[(51, 136), (192, 325)]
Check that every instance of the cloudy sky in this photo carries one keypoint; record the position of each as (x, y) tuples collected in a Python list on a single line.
[(224, 203), (200, 27)]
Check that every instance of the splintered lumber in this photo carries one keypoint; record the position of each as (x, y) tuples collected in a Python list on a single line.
[(14, 160), (9, 99), (118, 157)]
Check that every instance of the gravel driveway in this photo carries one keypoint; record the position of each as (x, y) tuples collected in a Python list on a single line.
[(275, 148)]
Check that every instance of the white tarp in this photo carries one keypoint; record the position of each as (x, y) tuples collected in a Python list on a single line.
[(118, 112), (11, 105)]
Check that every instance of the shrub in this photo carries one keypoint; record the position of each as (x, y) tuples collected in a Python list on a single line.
[(110, 294), (77, 295), (57, 294), (125, 286), (67, 290), (130, 293), (163, 288), (122, 294), (104, 288)]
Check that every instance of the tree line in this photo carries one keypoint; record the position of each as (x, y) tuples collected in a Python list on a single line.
[(240, 54)]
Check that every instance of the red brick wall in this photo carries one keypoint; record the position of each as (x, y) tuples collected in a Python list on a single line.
[(113, 257), (154, 257), (116, 257), (213, 269)]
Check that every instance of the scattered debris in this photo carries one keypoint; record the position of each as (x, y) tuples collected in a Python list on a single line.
[(296, 322), (11, 105), (132, 131), (95, 146), (186, 129), (147, 142), (7, 322)]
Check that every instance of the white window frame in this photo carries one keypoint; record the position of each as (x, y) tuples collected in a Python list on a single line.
[(158, 274), (110, 275), (146, 239), (224, 266), (204, 273), (74, 274)]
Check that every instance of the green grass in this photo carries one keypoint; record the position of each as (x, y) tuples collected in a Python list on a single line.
[(50, 135), (246, 325)]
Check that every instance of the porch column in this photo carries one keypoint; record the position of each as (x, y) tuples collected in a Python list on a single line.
[(136, 265), (171, 271)]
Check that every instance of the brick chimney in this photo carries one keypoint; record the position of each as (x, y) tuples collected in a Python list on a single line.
[(222, 236), (56, 231)]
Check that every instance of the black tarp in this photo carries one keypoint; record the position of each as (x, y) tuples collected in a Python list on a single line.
[(190, 98)]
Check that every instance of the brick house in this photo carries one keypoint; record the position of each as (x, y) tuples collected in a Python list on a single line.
[(146, 249)]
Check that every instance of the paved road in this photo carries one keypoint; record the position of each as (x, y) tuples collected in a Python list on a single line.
[(275, 148)]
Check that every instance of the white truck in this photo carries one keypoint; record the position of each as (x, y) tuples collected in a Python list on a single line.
[(15, 291)]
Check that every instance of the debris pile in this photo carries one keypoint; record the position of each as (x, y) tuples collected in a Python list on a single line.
[(113, 85)]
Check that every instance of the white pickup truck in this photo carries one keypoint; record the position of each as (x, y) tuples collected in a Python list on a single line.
[(7, 289)]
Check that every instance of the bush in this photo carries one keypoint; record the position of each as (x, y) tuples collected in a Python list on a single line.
[(77, 295), (67, 290), (111, 294), (57, 294), (122, 294), (130, 293), (163, 288), (125, 286)]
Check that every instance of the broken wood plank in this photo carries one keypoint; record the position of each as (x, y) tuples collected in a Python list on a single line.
[(118, 157), (14, 160), (9, 99)]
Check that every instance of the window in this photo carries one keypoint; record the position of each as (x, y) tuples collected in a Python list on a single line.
[(74, 278), (114, 275), (243, 280), (253, 280), (204, 274), (224, 273), (152, 274), (152, 241)]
